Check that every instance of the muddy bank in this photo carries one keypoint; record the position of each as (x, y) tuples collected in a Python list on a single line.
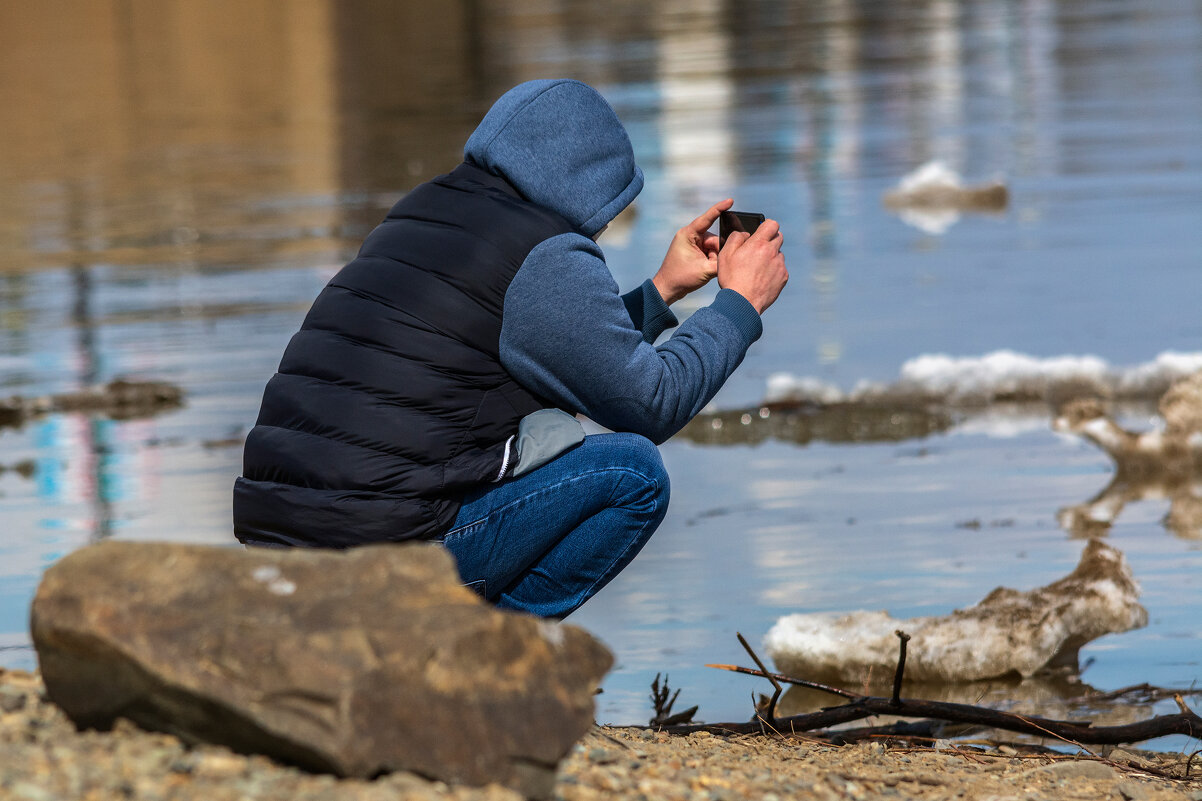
[(120, 399), (42, 758)]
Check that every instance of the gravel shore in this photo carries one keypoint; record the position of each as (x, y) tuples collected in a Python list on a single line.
[(43, 758)]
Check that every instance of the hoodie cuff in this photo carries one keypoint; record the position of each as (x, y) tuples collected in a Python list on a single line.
[(648, 312), (739, 311)]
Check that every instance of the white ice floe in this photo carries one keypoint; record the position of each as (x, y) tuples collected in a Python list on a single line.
[(1009, 632), (932, 197), (784, 386), (1003, 375), (933, 174)]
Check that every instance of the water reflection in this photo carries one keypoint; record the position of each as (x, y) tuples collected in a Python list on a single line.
[(1164, 462), (1096, 516), (171, 133), (803, 423), (178, 181)]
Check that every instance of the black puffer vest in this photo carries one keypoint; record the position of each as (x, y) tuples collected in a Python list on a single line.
[(391, 401)]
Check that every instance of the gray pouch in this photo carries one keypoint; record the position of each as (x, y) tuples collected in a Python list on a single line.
[(543, 435)]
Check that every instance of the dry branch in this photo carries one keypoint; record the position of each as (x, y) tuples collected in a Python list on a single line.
[(1187, 723), (781, 677), (770, 707), (662, 700), (859, 707), (901, 665)]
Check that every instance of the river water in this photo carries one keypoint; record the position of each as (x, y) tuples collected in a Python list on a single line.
[(178, 181)]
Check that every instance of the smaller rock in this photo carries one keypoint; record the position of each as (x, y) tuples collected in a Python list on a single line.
[(11, 699), (221, 765), (601, 756), (1074, 769), (1121, 757), (1134, 791)]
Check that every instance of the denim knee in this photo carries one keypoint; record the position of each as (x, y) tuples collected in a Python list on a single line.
[(643, 457)]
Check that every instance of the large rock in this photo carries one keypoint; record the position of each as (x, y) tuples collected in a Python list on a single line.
[(355, 662)]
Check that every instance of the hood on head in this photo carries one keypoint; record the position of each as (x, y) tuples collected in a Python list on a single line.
[(562, 146)]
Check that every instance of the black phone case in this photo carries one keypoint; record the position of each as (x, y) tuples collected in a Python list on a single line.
[(731, 221)]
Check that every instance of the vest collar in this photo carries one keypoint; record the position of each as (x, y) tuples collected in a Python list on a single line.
[(470, 172)]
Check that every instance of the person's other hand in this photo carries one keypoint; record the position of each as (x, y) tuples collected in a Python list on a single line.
[(692, 258), (753, 266)]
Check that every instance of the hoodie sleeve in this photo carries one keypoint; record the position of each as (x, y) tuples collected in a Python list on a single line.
[(568, 336), (648, 312)]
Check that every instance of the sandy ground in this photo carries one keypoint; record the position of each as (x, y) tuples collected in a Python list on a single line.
[(43, 758)]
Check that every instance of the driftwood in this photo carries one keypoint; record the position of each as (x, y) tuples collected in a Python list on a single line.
[(859, 707)]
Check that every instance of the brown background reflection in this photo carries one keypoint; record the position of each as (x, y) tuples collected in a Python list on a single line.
[(148, 131)]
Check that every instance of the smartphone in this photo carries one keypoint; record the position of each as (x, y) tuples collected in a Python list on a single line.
[(731, 221)]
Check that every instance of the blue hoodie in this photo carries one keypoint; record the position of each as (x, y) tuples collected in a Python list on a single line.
[(567, 334)]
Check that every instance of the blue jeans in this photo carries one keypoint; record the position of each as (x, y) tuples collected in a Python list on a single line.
[(548, 541)]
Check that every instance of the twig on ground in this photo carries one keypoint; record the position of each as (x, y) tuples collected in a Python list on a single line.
[(781, 677), (600, 731), (901, 666), (1060, 737), (777, 689)]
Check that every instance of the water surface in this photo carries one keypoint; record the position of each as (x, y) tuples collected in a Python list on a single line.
[(177, 182)]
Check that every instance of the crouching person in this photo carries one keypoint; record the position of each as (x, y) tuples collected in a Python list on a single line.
[(431, 390)]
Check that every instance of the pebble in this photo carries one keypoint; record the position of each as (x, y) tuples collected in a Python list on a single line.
[(12, 699), (1134, 791), (221, 765), (29, 792)]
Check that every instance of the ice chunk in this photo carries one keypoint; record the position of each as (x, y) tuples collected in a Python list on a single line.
[(1009, 632), (932, 197), (784, 387), (1002, 375)]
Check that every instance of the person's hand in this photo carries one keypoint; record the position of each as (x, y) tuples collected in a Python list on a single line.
[(753, 266), (692, 258)]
